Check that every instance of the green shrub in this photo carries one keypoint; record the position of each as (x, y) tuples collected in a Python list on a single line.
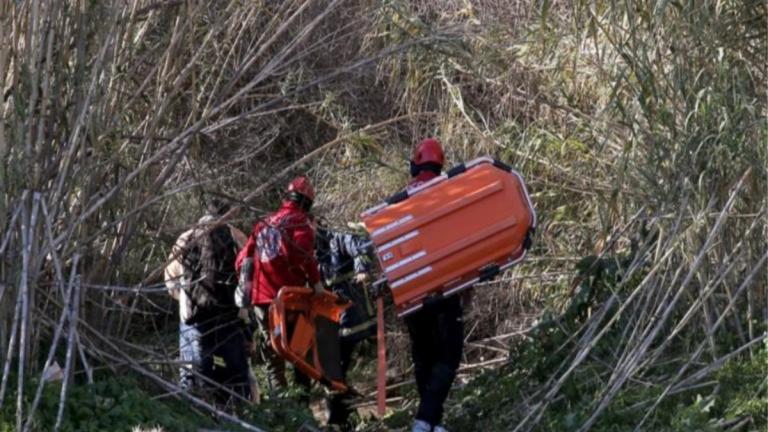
[(115, 403)]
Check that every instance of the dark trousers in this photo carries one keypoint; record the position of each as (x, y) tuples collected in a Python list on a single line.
[(437, 341), (359, 324), (230, 359), (338, 404), (217, 352)]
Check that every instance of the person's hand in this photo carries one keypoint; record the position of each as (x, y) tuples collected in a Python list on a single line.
[(318, 288), (361, 278)]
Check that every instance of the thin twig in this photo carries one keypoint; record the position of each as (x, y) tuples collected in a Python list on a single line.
[(27, 236), (11, 346), (73, 319), (65, 314)]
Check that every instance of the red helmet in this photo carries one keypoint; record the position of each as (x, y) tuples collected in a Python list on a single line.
[(428, 150), (302, 185)]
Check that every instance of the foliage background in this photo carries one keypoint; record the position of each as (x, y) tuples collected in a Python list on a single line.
[(640, 128)]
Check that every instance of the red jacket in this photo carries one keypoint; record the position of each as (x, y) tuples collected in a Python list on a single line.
[(283, 249)]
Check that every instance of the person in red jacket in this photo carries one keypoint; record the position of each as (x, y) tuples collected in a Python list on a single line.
[(436, 330), (279, 252)]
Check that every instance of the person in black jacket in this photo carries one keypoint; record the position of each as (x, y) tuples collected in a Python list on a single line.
[(201, 276), (345, 261), (437, 329)]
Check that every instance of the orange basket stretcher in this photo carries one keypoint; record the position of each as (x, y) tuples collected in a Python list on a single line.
[(304, 330), (460, 228)]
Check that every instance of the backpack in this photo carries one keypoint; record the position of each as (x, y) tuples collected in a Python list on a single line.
[(209, 266)]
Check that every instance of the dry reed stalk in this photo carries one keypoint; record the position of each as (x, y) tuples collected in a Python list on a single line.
[(702, 345), (84, 359), (28, 227), (155, 274), (122, 357), (729, 264), (72, 318), (129, 88), (590, 336), (11, 347), (11, 224), (65, 315), (126, 359), (623, 371)]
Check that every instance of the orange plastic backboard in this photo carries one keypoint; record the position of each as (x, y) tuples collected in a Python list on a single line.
[(303, 329), (446, 235)]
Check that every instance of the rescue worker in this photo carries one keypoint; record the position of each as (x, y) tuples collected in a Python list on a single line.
[(279, 252), (437, 329), (201, 276), (345, 263)]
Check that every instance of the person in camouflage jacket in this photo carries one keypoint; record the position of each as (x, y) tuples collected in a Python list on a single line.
[(345, 263)]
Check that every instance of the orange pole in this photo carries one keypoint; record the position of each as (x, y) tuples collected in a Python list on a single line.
[(381, 384)]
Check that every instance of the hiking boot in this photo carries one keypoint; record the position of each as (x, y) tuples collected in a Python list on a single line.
[(421, 426)]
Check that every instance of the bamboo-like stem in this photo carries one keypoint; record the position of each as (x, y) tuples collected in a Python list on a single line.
[(65, 294), (83, 359), (11, 224), (123, 357), (621, 374), (27, 228), (65, 315), (605, 108), (729, 265), (694, 357), (11, 347), (74, 307)]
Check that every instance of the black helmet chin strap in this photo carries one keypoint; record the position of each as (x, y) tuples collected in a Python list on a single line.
[(300, 199), (416, 169)]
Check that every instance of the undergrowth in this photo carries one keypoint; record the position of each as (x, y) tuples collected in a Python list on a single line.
[(114, 403), (124, 403), (495, 400), (737, 394)]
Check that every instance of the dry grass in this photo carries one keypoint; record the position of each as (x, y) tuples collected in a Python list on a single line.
[(631, 125)]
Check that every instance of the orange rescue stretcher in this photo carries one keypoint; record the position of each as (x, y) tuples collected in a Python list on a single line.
[(304, 329), (460, 228), (463, 227)]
